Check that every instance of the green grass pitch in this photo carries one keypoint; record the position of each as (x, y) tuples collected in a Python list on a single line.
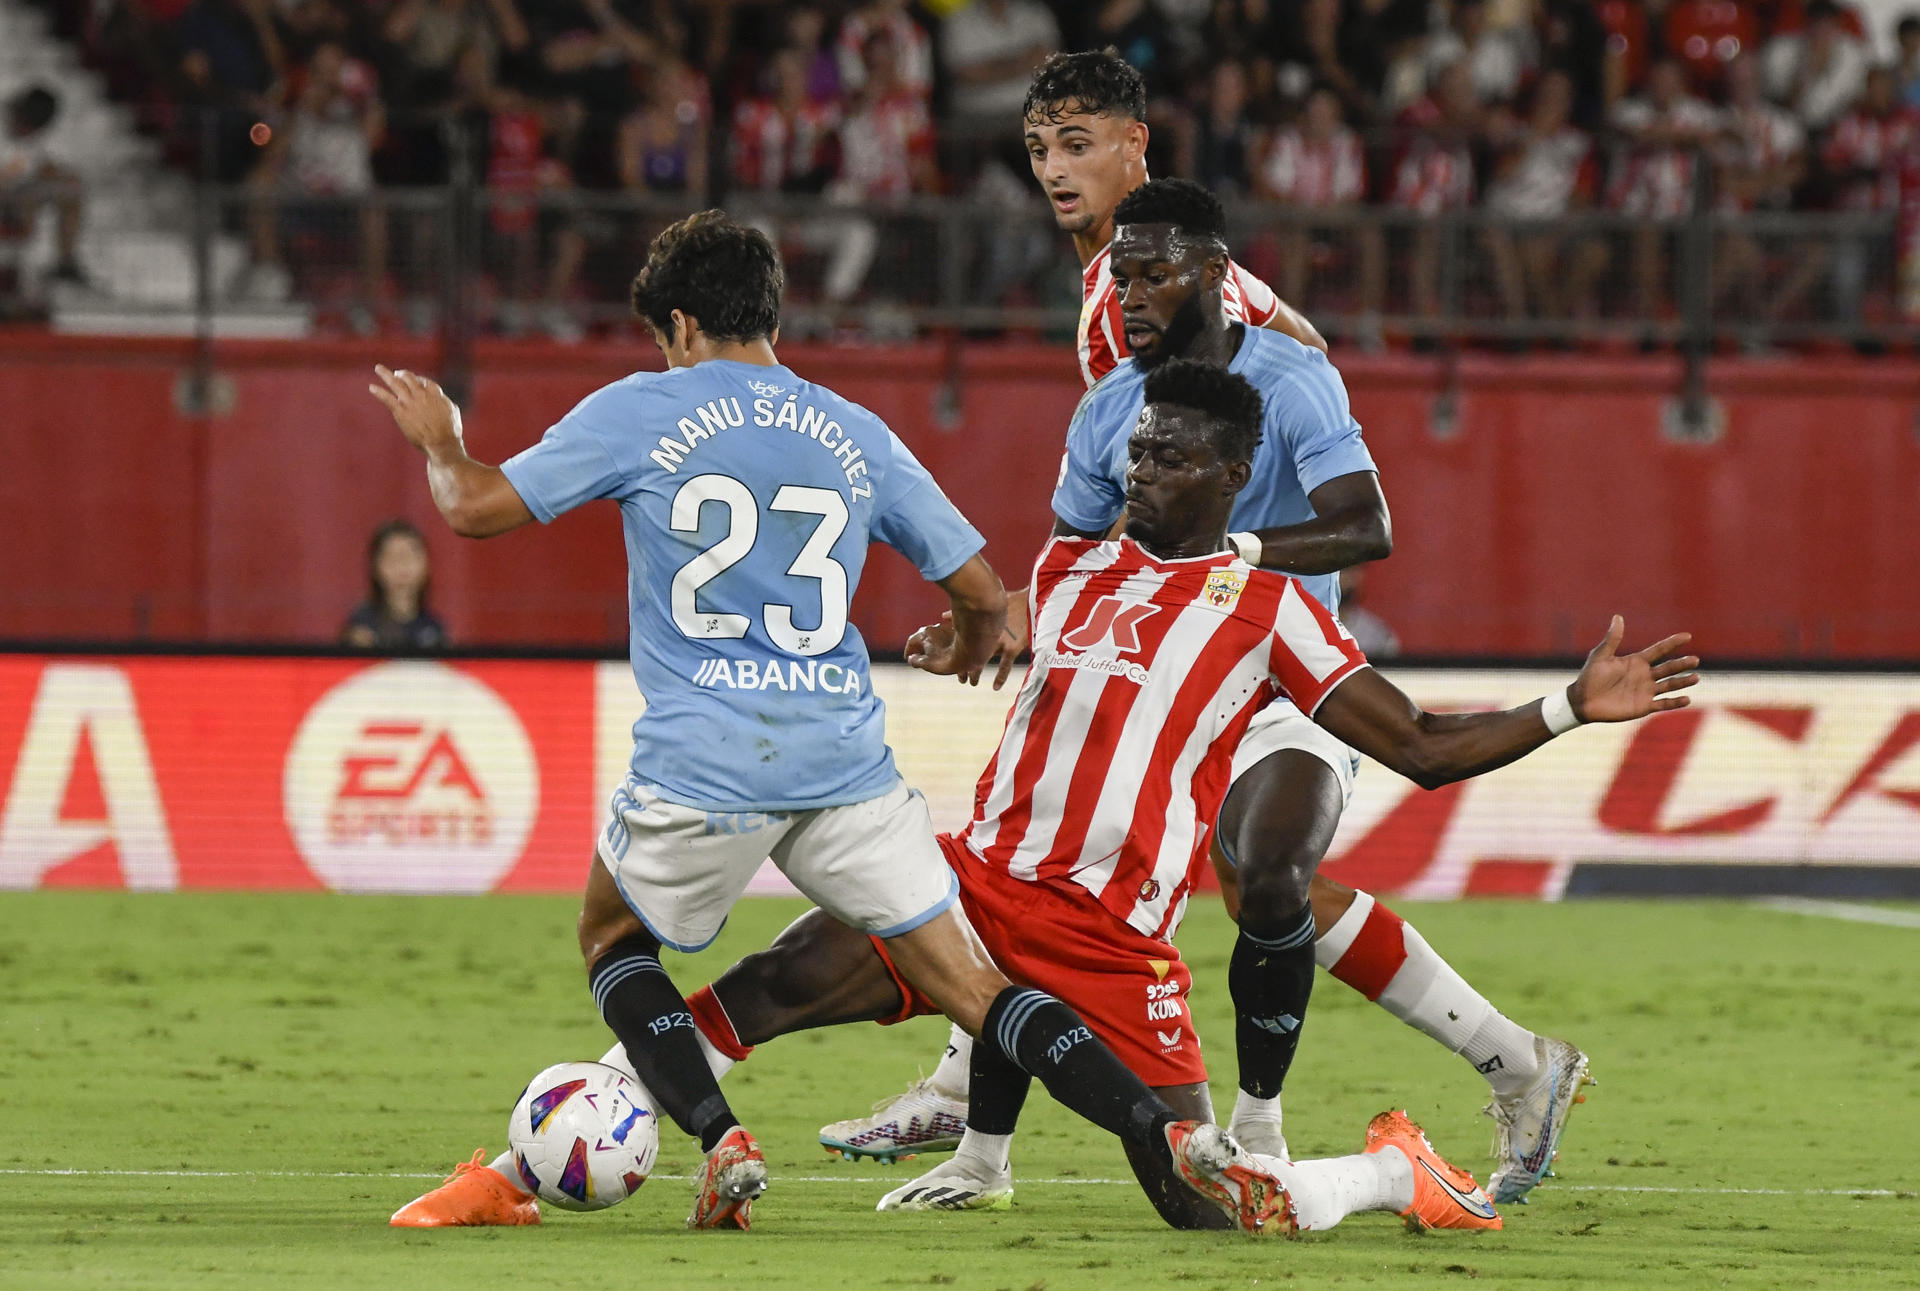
[(216, 1091)]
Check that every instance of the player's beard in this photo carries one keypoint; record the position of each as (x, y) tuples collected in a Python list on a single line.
[(1178, 335)]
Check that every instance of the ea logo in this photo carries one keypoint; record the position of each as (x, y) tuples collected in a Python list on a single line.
[(411, 777)]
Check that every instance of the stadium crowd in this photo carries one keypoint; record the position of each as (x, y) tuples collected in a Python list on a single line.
[(1530, 109)]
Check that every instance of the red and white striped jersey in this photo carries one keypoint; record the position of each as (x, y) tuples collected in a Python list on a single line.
[(1316, 172), (1103, 341), (1119, 748)]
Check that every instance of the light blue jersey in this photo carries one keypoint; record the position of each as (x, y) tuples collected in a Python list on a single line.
[(1308, 436), (748, 497)]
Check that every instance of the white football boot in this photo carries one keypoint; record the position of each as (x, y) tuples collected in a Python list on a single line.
[(1528, 1125), (964, 1183), (924, 1119)]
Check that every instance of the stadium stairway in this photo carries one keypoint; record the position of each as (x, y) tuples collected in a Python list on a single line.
[(135, 243)]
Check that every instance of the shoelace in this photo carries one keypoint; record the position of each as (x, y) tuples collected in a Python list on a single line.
[(918, 1086), (467, 1167), (1502, 1129)]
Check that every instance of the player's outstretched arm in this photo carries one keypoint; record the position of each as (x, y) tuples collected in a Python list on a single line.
[(968, 634), (476, 500), (1431, 749)]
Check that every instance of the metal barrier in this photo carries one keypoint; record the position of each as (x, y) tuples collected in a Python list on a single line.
[(460, 260)]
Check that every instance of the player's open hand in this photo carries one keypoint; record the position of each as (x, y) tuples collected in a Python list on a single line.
[(419, 406), (936, 647), (1617, 687)]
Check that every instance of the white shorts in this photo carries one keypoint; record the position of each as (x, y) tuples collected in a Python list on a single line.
[(873, 865), (1280, 725)]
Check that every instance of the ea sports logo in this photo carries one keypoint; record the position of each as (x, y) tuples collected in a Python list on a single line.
[(411, 777)]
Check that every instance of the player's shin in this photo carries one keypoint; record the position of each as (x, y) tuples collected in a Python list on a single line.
[(1373, 950), (1048, 1040), (656, 1028), (952, 1075), (1271, 979), (999, 1091)]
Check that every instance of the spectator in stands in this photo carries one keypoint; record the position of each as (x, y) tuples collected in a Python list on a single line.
[(1379, 42), (1498, 59), (1375, 637), (231, 66), (1225, 145), (912, 49), (886, 141), (305, 25), (990, 49), (521, 170), (322, 150), (1761, 159), (1666, 131), (434, 33), (1246, 27), (1319, 165), (394, 618), (785, 141), (805, 34), (30, 179), (1864, 159), (1574, 39), (663, 142), (1312, 52), (588, 53), (440, 55), (1906, 71), (1544, 171), (1818, 71), (1146, 39), (1435, 174)]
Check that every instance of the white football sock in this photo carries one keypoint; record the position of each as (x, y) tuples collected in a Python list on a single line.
[(1256, 1122), (955, 1073), (1373, 950), (1326, 1191), (991, 1151)]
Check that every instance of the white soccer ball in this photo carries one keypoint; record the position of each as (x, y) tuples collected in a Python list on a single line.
[(582, 1138)]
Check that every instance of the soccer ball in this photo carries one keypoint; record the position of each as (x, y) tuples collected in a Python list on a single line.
[(581, 1136)]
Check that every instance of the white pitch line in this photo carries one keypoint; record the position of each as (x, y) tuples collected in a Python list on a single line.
[(1847, 910), (1070, 1182)]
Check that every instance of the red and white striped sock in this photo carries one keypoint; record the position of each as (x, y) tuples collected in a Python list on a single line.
[(1379, 954)]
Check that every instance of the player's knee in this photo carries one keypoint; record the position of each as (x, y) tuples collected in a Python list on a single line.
[(1274, 887), (598, 934)]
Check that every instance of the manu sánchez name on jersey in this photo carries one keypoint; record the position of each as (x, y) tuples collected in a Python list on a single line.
[(718, 415)]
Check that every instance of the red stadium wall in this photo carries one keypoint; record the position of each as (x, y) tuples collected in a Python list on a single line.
[(1555, 500)]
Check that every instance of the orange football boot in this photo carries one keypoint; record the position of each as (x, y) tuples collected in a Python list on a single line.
[(475, 1195), (733, 1174), (1212, 1164), (1444, 1195)]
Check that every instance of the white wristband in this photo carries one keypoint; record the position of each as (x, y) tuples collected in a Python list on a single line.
[(1246, 546), (1557, 709)]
